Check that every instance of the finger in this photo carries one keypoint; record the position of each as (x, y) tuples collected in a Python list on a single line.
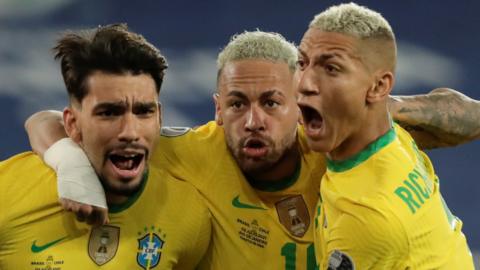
[(80, 216), (66, 204), (85, 209), (93, 219), (99, 216), (104, 215)]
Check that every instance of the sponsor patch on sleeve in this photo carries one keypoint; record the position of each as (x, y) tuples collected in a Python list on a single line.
[(339, 260), (173, 131)]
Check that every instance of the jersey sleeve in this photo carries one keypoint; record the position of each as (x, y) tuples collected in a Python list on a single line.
[(370, 240), (185, 155)]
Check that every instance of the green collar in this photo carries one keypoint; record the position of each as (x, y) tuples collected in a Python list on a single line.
[(272, 186), (374, 147), (117, 208)]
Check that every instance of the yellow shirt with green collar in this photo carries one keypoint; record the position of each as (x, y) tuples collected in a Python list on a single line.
[(164, 226), (382, 209), (256, 225)]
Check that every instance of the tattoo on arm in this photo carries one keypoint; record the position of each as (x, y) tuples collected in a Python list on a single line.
[(449, 117)]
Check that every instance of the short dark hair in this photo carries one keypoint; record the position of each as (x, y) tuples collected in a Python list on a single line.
[(111, 49)]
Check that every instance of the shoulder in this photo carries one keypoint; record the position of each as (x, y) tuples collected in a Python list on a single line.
[(203, 132), (180, 194), (22, 160), (369, 227), (366, 239), (26, 185), (22, 169), (192, 153), (184, 141)]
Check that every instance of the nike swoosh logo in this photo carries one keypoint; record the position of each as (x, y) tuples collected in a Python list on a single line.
[(36, 249), (236, 203)]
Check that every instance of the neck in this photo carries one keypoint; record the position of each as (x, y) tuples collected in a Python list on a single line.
[(115, 198), (120, 198), (374, 126)]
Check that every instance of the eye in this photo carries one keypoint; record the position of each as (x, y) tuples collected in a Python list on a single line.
[(301, 64), (271, 104), (237, 105), (107, 113), (145, 111), (330, 68)]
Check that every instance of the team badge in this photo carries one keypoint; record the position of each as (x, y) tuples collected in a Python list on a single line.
[(293, 214), (149, 250), (340, 261), (103, 244)]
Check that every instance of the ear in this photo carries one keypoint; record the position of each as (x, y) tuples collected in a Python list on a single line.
[(300, 116), (382, 88), (160, 113), (218, 110), (72, 124)]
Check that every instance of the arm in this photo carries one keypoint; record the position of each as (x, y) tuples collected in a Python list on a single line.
[(369, 240), (441, 118), (44, 128), (78, 186)]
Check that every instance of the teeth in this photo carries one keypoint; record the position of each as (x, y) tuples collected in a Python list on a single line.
[(125, 162)]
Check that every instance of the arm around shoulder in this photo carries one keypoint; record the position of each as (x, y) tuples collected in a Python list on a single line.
[(444, 117), (44, 128)]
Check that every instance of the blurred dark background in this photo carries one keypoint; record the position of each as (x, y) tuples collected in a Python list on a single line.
[(438, 46)]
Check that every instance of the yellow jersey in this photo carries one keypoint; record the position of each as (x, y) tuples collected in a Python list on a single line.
[(164, 226), (256, 225), (382, 209)]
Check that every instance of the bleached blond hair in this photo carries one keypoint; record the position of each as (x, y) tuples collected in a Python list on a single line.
[(362, 23), (258, 45), (354, 20)]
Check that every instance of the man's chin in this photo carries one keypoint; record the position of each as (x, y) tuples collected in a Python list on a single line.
[(255, 166), (122, 187)]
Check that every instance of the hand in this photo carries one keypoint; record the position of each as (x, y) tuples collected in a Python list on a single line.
[(93, 215)]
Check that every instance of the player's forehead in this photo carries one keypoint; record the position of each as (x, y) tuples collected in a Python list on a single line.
[(317, 43), (124, 89), (255, 77)]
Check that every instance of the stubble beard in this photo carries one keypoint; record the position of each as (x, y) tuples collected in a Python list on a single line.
[(255, 166)]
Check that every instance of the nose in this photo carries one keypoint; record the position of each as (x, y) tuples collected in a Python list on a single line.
[(255, 119), (305, 85), (129, 128)]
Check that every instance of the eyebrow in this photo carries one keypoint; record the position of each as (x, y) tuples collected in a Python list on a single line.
[(122, 104), (110, 105), (145, 105), (265, 94), (270, 93), (323, 57), (236, 93)]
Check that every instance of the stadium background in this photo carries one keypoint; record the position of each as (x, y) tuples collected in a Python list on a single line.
[(438, 46)]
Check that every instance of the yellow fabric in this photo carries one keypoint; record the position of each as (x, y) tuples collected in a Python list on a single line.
[(387, 213), (31, 219), (243, 238)]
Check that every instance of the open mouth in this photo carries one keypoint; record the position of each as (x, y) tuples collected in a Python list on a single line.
[(127, 164), (312, 119), (255, 148)]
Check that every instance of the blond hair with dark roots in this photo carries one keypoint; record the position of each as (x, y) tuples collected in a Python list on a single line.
[(258, 45), (359, 22)]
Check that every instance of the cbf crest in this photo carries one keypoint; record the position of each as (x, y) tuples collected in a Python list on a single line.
[(103, 243), (293, 214), (150, 247)]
